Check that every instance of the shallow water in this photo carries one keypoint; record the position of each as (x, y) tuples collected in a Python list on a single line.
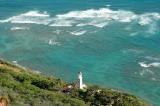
[(115, 43)]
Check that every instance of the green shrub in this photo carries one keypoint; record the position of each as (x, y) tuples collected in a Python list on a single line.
[(25, 88)]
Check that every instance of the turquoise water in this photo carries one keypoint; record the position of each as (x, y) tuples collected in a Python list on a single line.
[(115, 43)]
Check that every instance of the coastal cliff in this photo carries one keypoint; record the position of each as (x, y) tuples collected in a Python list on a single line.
[(23, 87)]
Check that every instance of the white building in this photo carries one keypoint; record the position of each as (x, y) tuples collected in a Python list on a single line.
[(80, 81)]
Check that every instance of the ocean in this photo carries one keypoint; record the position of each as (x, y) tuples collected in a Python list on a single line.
[(114, 43)]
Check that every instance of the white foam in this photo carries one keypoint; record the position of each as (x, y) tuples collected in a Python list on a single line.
[(98, 18), (15, 62), (98, 24), (148, 18), (53, 42), (36, 14), (143, 64), (154, 64), (19, 28), (31, 17), (91, 17), (81, 24), (60, 22), (78, 33), (144, 20), (101, 17)]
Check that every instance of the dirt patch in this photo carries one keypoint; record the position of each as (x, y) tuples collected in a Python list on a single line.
[(3, 101)]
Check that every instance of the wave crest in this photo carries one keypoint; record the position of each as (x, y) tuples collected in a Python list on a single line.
[(154, 64), (92, 17), (104, 16), (31, 17)]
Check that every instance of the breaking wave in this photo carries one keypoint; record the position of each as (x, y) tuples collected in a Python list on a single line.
[(106, 15), (154, 64), (31, 17), (92, 17), (143, 64)]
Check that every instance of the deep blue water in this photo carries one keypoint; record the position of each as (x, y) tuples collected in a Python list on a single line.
[(115, 43)]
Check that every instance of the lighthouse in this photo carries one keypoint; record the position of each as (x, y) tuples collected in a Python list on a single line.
[(80, 81)]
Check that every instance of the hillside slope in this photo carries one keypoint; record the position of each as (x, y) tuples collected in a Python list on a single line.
[(22, 87)]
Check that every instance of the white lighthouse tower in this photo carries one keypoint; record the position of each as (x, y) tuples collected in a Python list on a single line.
[(80, 81)]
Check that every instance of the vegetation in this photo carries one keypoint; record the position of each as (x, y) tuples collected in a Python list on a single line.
[(22, 87)]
